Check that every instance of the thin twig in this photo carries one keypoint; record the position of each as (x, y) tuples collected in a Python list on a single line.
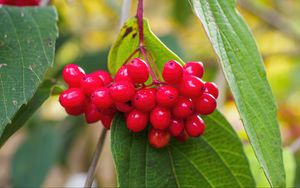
[(139, 16), (92, 168)]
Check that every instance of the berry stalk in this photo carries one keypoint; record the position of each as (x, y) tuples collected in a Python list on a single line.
[(139, 16)]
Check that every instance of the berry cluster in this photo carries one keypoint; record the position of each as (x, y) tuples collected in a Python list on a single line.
[(172, 107), (20, 2)]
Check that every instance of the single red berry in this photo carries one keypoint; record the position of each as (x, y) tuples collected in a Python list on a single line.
[(22, 3), (138, 70), (104, 76), (101, 98), (72, 97), (191, 86), (144, 99), (124, 106), (172, 72), (75, 111), (72, 75), (92, 114), (122, 91), (205, 104), (182, 137), (158, 138), (176, 127), (166, 96), (109, 111), (137, 121), (122, 75), (194, 68), (106, 120), (160, 118), (90, 83), (194, 126), (212, 89), (183, 108)]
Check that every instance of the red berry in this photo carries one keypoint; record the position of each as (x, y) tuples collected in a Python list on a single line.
[(124, 106), (138, 70), (72, 97), (158, 138), (75, 111), (172, 72), (212, 89), (72, 75), (183, 137), (160, 118), (90, 83), (205, 104), (194, 126), (183, 108), (144, 99), (136, 121), (176, 127), (122, 75), (92, 114), (22, 3), (101, 98), (166, 96), (106, 120), (194, 68), (191, 86), (122, 91), (104, 76)]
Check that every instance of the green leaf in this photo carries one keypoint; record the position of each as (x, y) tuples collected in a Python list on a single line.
[(214, 160), (27, 41), (245, 73), (26, 111)]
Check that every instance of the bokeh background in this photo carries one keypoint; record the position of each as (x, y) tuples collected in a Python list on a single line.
[(55, 150)]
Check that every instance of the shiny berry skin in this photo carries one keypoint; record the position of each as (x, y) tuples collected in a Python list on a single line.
[(124, 106), (172, 72), (183, 108), (138, 70), (158, 138), (205, 104), (106, 120), (104, 76), (194, 126), (212, 89), (191, 86), (144, 99), (90, 83), (176, 127), (101, 98), (137, 121), (160, 118), (166, 96), (122, 91), (72, 75), (92, 114), (72, 97), (183, 137), (194, 68), (75, 111), (122, 75)]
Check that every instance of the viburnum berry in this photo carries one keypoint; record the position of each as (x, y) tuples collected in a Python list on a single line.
[(101, 98), (75, 111), (104, 76), (212, 89), (194, 126), (72, 75), (20, 2), (144, 99), (166, 96), (194, 68), (191, 86), (92, 114), (158, 138), (205, 104), (138, 70), (176, 126), (183, 137), (106, 120), (137, 121), (122, 91), (71, 98), (124, 106), (122, 75), (172, 72), (183, 108), (160, 117), (90, 83)]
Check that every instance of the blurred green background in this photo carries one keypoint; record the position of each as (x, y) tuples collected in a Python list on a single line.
[(56, 150)]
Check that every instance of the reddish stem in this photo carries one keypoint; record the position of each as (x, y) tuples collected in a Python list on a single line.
[(139, 16)]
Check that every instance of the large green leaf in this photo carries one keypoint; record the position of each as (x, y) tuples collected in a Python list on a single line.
[(245, 73), (27, 41), (215, 160)]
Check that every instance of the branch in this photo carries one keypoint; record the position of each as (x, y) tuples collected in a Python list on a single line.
[(139, 16)]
